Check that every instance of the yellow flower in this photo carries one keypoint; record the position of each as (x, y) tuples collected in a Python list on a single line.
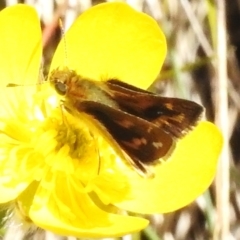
[(58, 175)]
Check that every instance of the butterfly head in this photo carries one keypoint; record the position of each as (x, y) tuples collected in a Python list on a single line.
[(60, 78)]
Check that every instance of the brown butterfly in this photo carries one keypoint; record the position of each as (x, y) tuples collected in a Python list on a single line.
[(141, 125)]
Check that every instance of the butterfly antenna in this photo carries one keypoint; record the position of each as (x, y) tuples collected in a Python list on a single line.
[(64, 42)]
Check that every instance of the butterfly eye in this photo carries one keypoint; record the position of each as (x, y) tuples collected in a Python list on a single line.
[(61, 88)]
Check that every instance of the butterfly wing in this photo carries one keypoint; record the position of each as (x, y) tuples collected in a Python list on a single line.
[(143, 142), (173, 115)]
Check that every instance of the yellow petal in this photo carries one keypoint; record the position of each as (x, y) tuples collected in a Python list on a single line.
[(112, 40), (19, 166), (21, 138), (10, 193), (20, 41), (186, 175), (118, 225), (58, 207)]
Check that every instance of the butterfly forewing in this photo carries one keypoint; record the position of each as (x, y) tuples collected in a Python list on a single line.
[(173, 115)]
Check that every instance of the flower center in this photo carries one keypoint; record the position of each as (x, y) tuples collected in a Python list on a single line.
[(75, 138)]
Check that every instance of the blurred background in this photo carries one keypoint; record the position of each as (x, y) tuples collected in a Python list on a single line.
[(202, 64)]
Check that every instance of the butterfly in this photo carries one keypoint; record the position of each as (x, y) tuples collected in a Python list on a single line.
[(142, 126)]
